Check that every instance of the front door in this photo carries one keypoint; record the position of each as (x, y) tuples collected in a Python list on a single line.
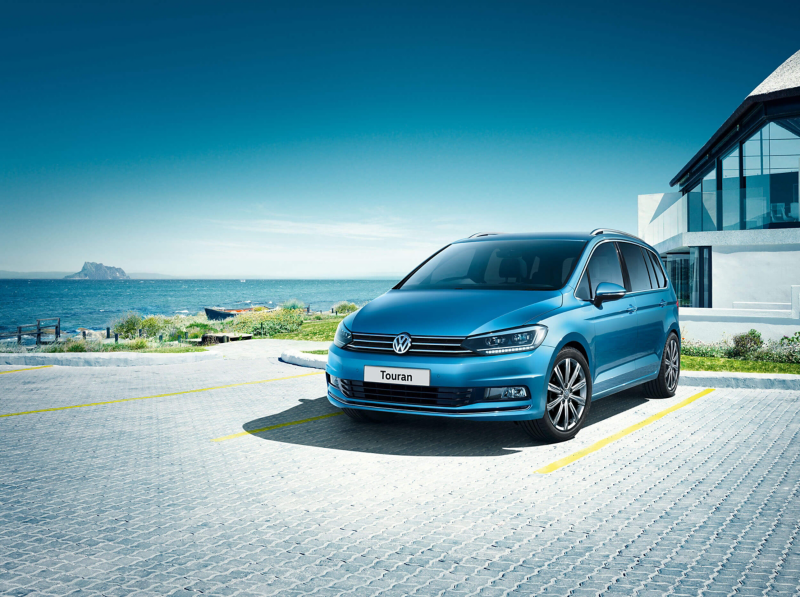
[(616, 335)]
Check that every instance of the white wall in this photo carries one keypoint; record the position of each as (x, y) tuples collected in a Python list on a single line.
[(753, 274)]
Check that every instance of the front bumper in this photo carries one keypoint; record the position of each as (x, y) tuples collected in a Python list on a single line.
[(520, 369)]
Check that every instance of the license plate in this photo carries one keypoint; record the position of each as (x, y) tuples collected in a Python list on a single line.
[(397, 375)]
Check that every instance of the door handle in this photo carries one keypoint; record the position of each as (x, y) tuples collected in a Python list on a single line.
[(631, 309), (663, 303)]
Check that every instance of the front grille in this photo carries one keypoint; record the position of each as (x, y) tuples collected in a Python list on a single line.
[(442, 346), (419, 397)]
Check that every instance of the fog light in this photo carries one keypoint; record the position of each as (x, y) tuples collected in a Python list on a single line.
[(334, 381), (512, 393)]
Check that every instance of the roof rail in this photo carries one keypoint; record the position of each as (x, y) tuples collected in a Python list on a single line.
[(477, 234), (598, 231)]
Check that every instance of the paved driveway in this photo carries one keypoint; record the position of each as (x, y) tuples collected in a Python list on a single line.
[(135, 497)]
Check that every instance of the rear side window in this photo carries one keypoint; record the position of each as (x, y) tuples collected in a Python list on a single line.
[(604, 266), (659, 273), (637, 268)]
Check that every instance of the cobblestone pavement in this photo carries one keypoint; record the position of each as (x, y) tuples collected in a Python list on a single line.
[(135, 498)]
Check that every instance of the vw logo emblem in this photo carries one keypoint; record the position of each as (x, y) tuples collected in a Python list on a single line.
[(402, 343)]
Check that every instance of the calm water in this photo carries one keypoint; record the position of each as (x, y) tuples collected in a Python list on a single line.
[(94, 304)]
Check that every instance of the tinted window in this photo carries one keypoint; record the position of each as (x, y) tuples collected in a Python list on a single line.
[(637, 269), (604, 266), (499, 265), (656, 263)]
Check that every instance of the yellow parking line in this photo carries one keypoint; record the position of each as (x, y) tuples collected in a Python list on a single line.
[(233, 385), (554, 466), (28, 369), (271, 427)]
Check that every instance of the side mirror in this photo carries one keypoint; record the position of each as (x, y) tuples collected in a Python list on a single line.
[(606, 291)]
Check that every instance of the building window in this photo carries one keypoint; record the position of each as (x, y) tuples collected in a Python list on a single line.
[(709, 191), (695, 216), (771, 167), (731, 197), (690, 274)]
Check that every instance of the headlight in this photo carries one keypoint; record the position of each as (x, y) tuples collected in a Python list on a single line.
[(519, 340), (343, 336)]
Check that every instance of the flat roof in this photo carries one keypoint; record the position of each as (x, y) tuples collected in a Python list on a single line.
[(782, 83)]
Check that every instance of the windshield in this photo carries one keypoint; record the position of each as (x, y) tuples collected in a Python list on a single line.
[(499, 265)]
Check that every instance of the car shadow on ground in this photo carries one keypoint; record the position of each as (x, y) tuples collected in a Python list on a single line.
[(413, 435)]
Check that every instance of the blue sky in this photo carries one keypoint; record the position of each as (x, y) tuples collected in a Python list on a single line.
[(350, 139)]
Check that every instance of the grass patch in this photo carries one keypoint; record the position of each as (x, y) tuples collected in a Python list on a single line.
[(318, 331), (740, 366), (315, 351)]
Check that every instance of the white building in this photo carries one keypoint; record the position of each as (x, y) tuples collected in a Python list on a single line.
[(730, 233)]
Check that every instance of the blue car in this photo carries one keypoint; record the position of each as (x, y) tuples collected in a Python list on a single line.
[(513, 327)]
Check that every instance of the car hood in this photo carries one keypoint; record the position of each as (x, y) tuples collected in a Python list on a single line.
[(452, 312)]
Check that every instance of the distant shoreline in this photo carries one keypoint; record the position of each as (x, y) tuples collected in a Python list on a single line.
[(160, 277)]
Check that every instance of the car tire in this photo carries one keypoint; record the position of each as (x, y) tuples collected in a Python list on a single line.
[(665, 385), (564, 414), (361, 416)]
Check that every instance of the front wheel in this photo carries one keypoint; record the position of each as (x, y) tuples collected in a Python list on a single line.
[(569, 395), (666, 383)]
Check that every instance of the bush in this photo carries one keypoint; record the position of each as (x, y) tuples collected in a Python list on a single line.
[(138, 344), (128, 325), (293, 304), (75, 346), (282, 321), (746, 344), (749, 346), (790, 340), (344, 308), (153, 325)]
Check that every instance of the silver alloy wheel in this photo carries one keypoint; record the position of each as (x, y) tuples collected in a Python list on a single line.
[(672, 358), (566, 394)]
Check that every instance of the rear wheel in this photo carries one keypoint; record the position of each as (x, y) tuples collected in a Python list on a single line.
[(569, 395), (361, 416), (666, 383)]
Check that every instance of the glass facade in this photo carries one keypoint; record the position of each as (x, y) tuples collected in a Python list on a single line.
[(731, 195), (755, 185), (690, 274), (770, 168), (709, 207)]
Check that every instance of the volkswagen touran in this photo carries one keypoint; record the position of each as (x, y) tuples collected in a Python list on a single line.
[(513, 327)]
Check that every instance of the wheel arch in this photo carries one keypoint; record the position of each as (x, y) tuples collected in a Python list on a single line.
[(580, 344)]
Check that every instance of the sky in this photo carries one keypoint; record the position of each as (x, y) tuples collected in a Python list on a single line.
[(351, 140)]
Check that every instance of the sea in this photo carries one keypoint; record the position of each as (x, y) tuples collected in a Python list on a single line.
[(95, 304)]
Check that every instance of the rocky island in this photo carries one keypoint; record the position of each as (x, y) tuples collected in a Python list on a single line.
[(98, 271)]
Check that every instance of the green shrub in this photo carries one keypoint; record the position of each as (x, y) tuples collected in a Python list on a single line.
[(318, 317), (128, 325), (790, 340), (138, 344), (75, 346), (344, 307), (746, 344), (153, 325), (282, 321), (293, 304)]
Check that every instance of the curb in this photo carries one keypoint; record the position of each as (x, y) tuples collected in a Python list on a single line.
[(112, 359), (295, 357), (728, 379)]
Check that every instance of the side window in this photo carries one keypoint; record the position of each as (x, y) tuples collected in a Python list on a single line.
[(656, 263), (583, 291), (604, 266), (637, 269)]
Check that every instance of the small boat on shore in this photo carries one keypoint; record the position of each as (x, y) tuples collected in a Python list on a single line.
[(220, 314)]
